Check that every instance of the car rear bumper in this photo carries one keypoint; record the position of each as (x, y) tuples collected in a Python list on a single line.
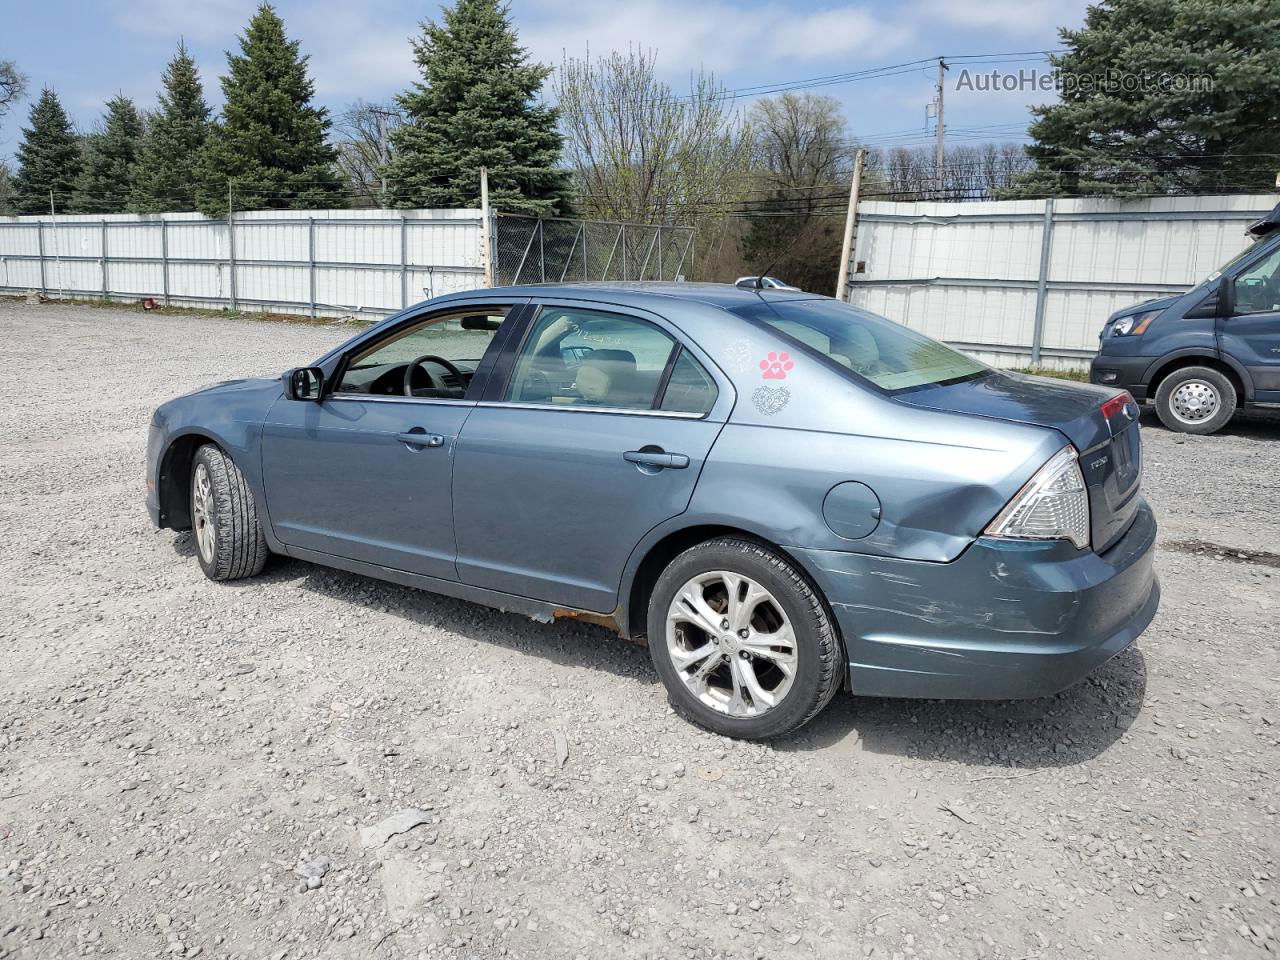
[(1127, 373), (1005, 620)]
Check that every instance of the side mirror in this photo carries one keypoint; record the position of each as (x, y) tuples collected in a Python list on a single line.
[(304, 383)]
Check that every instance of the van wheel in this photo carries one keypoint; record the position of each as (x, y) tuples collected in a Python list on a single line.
[(1195, 400), (742, 641), (224, 518)]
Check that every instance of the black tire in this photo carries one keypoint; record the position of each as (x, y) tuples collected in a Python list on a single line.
[(1224, 393), (820, 663), (238, 547)]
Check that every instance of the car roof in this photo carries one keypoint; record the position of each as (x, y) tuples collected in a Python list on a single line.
[(723, 295)]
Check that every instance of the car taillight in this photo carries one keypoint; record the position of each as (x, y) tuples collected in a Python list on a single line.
[(1117, 404), (1053, 505)]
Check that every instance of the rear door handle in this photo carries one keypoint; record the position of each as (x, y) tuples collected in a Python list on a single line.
[(657, 458), (421, 439)]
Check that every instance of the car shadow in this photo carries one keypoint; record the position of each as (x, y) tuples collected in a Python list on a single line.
[(1073, 726), (566, 641)]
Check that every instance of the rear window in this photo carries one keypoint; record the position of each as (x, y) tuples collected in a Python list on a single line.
[(889, 355)]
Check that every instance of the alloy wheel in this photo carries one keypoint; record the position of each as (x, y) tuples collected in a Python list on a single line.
[(731, 644), (203, 512)]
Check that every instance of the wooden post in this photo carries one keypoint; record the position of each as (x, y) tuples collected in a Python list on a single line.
[(850, 228), (1042, 283), (486, 252)]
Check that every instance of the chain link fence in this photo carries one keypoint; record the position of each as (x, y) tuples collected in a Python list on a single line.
[(554, 250)]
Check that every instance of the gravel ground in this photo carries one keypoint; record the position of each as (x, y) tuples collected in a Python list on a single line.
[(186, 768)]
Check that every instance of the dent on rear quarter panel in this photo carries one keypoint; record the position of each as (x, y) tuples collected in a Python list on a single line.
[(797, 430)]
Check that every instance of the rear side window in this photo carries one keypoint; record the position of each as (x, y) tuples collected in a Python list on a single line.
[(690, 389), (889, 355)]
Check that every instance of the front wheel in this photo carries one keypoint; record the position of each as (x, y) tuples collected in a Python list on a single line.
[(742, 640), (224, 518), (1195, 400)]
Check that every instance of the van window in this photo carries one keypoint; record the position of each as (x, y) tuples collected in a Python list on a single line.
[(1257, 289)]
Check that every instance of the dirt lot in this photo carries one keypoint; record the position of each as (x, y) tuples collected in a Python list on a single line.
[(177, 758)]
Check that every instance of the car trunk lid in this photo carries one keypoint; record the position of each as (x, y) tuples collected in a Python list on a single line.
[(1099, 422)]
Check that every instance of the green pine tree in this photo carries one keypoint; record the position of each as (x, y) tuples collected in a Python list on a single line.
[(476, 106), (271, 144), (166, 173), (49, 158), (106, 179), (1163, 96)]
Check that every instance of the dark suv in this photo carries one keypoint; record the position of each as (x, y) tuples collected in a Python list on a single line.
[(1201, 355)]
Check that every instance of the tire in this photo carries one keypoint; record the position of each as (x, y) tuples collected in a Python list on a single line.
[(713, 691), (224, 518), (1195, 400)]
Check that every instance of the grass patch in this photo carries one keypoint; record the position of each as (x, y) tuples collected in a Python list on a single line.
[(1079, 376)]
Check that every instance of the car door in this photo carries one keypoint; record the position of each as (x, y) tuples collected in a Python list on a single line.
[(366, 472), (594, 433), (1251, 334)]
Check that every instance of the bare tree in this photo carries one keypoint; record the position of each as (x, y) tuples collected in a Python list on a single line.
[(801, 162), (362, 137), (639, 152), (12, 85), (970, 172)]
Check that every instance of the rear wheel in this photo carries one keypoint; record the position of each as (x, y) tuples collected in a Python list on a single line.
[(742, 640), (224, 518), (1195, 400)]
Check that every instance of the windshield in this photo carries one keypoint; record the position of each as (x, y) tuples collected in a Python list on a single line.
[(891, 356), (1246, 252)]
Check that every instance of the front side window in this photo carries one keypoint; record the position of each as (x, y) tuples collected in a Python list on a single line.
[(585, 358), (889, 355), (434, 359), (1257, 289)]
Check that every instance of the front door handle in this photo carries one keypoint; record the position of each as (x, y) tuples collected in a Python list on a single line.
[(657, 458), (419, 438)]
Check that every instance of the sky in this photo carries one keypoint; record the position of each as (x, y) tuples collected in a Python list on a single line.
[(89, 50)]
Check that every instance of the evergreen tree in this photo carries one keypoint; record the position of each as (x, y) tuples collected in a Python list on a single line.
[(271, 143), (166, 173), (1163, 96), (106, 179), (48, 157), (476, 107)]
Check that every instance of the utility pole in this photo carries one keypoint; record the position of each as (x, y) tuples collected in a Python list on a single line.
[(486, 252), (938, 103), (850, 228), (384, 151)]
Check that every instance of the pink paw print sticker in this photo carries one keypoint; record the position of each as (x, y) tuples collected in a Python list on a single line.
[(776, 365)]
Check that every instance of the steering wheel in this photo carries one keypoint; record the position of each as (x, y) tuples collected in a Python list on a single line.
[(441, 361)]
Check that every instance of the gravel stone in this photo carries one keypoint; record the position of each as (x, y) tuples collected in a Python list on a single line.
[(174, 751)]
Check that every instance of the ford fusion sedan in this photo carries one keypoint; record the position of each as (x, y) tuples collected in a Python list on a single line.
[(784, 496)]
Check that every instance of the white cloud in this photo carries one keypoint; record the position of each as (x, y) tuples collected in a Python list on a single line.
[(1009, 17), (716, 36), (203, 22)]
